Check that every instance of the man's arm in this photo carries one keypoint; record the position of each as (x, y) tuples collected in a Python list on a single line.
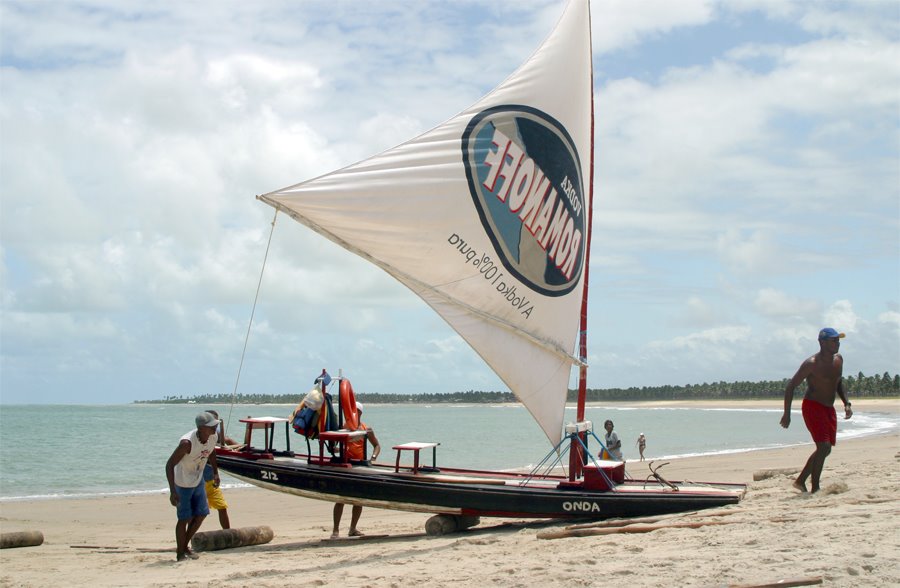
[(848, 412), (223, 439), (215, 467), (376, 446), (803, 372), (184, 447)]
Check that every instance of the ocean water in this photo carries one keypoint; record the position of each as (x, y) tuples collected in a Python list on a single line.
[(122, 449)]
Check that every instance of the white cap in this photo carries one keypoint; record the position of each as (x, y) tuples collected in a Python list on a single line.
[(205, 419)]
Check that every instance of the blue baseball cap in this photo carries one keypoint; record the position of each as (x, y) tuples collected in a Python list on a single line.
[(829, 333)]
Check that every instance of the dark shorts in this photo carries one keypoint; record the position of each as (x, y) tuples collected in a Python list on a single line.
[(821, 421), (192, 502)]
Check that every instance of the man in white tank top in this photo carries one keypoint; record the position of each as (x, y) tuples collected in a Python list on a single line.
[(184, 470)]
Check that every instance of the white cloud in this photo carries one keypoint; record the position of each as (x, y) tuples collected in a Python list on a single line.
[(842, 315), (891, 317), (702, 313), (867, 20), (712, 352), (753, 253), (776, 304), (707, 338), (620, 24), (851, 18)]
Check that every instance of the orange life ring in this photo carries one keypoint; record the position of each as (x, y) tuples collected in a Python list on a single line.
[(348, 405)]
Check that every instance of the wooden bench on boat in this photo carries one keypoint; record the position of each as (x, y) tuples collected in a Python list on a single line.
[(341, 437), (267, 424), (416, 447)]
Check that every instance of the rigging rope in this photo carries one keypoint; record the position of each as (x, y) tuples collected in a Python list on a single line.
[(250, 324)]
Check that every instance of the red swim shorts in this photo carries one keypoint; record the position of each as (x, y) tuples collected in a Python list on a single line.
[(821, 421)]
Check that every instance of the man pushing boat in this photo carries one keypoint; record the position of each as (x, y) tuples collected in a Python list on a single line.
[(823, 374), (184, 471)]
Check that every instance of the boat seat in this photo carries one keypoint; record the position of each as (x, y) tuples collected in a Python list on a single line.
[(416, 447), (267, 424), (341, 437)]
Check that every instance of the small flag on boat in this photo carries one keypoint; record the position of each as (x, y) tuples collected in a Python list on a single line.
[(323, 377)]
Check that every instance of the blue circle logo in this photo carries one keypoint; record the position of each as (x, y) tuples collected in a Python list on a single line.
[(525, 178)]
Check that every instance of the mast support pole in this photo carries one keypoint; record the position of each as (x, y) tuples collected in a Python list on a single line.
[(576, 452)]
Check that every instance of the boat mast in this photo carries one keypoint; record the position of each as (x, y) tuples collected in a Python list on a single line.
[(576, 457)]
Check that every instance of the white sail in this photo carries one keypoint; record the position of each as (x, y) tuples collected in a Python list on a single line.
[(485, 217)]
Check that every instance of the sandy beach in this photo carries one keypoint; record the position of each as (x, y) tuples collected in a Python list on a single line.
[(847, 535)]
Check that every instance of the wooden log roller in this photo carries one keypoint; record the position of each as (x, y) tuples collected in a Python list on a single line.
[(446, 524), (21, 539), (230, 538)]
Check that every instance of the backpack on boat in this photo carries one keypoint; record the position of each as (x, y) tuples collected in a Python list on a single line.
[(306, 422), (306, 419), (316, 414)]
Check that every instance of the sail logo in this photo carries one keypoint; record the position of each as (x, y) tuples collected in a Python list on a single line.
[(525, 178)]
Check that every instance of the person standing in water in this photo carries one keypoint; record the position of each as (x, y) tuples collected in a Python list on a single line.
[(642, 444), (823, 374)]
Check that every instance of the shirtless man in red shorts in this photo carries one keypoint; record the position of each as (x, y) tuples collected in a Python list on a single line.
[(822, 373)]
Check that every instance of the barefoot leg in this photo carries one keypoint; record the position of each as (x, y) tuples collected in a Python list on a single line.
[(822, 451), (180, 542), (224, 521), (336, 516), (800, 482), (354, 518)]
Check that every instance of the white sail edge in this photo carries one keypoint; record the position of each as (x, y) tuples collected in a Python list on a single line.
[(405, 279)]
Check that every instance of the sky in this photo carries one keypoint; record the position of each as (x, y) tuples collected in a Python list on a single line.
[(747, 189)]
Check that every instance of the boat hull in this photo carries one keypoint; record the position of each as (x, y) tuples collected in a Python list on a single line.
[(472, 493)]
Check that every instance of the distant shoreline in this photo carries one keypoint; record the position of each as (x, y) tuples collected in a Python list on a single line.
[(883, 403), (861, 386), (880, 404)]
